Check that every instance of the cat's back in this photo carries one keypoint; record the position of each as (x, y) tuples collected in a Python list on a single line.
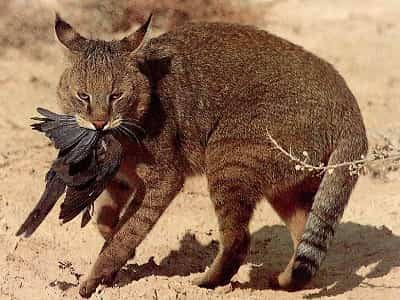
[(227, 69), (220, 61)]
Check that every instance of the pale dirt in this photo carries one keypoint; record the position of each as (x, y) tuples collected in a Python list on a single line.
[(360, 37)]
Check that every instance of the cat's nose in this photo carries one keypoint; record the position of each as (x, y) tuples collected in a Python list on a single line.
[(99, 124)]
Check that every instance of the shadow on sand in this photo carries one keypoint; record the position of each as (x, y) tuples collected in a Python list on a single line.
[(355, 246)]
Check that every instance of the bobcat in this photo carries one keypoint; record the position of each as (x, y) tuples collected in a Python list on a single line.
[(206, 98)]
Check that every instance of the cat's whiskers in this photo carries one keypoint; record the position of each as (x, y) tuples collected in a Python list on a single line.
[(115, 123), (84, 123), (128, 132), (122, 128), (132, 123)]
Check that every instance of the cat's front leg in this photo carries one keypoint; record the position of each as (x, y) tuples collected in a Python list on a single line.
[(160, 186)]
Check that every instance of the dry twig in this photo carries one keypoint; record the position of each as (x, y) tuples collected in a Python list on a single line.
[(356, 167)]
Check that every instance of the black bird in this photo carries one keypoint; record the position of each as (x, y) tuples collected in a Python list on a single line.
[(86, 161)]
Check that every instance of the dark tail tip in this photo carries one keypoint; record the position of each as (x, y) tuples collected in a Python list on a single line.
[(302, 274)]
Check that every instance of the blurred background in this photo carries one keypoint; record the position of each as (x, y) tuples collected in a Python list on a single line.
[(361, 38)]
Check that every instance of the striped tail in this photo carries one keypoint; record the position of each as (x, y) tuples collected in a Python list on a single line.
[(326, 212)]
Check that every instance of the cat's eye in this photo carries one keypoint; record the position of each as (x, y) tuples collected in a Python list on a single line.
[(115, 96), (83, 96)]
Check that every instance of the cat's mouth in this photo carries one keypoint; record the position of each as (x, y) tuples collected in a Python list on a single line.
[(119, 125)]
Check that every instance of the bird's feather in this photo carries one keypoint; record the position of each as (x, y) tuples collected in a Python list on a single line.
[(87, 160)]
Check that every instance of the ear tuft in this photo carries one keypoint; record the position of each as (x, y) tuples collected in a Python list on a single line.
[(67, 35), (137, 40)]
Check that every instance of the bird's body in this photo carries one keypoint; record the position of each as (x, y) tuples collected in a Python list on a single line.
[(87, 160)]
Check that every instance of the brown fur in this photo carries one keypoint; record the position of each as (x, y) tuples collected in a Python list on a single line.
[(206, 94)]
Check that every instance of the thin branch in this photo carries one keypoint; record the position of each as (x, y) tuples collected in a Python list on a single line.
[(354, 166)]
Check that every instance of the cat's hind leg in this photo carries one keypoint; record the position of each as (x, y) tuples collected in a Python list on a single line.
[(293, 210), (234, 205), (234, 191)]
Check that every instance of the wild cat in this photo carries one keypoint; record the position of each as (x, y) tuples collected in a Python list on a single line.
[(205, 98)]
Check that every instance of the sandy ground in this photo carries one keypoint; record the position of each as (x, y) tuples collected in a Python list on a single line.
[(360, 37)]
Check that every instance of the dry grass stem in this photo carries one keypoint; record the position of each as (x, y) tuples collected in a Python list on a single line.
[(356, 167)]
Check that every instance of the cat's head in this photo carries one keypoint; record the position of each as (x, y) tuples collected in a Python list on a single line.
[(103, 85)]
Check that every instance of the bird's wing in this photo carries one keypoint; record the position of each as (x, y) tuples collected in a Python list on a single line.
[(55, 187)]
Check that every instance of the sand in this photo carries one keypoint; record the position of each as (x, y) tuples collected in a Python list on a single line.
[(360, 37)]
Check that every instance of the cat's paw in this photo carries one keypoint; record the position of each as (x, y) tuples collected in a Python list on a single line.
[(88, 287), (292, 279), (210, 282)]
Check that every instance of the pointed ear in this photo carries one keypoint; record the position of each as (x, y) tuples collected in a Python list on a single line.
[(68, 36), (137, 40)]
